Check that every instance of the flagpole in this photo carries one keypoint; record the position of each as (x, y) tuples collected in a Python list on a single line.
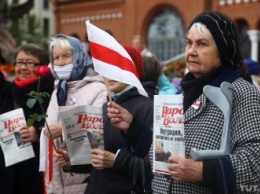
[(108, 91)]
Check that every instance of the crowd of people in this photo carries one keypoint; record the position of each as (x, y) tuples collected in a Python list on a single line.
[(212, 57)]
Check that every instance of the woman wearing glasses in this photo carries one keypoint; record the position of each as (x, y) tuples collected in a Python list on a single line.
[(24, 177)]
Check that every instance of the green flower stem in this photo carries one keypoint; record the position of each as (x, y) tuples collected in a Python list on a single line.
[(67, 169), (49, 131), (43, 112), (38, 87)]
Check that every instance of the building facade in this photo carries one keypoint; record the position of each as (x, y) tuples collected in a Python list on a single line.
[(162, 23), (41, 9)]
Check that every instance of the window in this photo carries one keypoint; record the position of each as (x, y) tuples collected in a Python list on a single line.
[(46, 4), (15, 1), (46, 26), (166, 37)]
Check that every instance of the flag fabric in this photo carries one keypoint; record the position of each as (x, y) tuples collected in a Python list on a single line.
[(110, 59)]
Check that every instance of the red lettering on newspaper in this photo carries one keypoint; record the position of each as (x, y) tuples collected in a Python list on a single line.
[(12, 124), (170, 120), (90, 122), (171, 111), (169, 115)]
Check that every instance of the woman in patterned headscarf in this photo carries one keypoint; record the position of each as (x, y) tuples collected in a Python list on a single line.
[(76, 84), (212, 57)]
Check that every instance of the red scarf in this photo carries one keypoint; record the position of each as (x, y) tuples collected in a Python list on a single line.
[(24, 83)]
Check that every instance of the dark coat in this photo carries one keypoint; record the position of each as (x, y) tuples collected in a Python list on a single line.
[(6, 99), (24, 177), (135, 142), (6, 104), (203, 130)]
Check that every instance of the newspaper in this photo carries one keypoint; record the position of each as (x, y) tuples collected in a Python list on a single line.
[(83, 131), (14, 149), (168, 135)]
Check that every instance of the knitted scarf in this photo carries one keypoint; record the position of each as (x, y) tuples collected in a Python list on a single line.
[(193, 87)]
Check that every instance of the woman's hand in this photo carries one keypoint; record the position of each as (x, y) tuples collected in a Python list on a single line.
[(183, 169), (55, 129), (28, 134), (62, 158), (102, 159), (119, 116)]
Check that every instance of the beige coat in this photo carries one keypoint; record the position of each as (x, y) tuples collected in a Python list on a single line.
[(89, 91)]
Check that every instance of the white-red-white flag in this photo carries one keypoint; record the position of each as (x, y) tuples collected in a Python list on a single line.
[(110, 59)]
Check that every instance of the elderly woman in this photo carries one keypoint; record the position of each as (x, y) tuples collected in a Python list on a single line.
[(213, 57), (24, 177), (76, 84)]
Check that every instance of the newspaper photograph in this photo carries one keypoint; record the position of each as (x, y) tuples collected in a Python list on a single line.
[(168, 134), (83, 131), (14, 149)]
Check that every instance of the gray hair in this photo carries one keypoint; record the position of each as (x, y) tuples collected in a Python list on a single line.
[(62, 41), (80, 60), (203, 30)]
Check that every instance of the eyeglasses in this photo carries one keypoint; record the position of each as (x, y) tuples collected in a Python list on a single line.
[(26, 63)]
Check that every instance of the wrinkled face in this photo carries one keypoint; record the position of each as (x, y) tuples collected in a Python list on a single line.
[(62, 56), (201, 54), (115, 86), (25, 64)]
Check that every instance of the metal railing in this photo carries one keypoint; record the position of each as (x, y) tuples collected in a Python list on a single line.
[(173, 59)]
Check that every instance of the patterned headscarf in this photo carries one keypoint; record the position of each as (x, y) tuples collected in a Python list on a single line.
[(81, 62), (225, 36)]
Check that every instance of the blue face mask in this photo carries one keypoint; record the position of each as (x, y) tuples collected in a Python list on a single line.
[(63, 72)]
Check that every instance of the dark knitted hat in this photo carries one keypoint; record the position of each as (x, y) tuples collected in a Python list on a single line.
[(224, 33), (136, 57)]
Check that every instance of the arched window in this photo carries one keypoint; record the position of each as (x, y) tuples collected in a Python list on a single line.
[(165, 36)]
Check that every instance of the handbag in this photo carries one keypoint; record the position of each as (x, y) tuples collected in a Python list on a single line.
[(142, 176)]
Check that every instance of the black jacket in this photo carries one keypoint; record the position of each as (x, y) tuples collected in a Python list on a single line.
[(135, 142), (24, 177), (6, 104), (6, 98)]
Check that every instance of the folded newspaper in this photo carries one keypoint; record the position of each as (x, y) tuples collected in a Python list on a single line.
[(14, 149), (82, 131), (168, 134)]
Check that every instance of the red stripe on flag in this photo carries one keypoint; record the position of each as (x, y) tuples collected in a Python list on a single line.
[(112, 57)]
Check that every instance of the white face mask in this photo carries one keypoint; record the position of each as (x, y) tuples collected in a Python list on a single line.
[(63, 72)]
